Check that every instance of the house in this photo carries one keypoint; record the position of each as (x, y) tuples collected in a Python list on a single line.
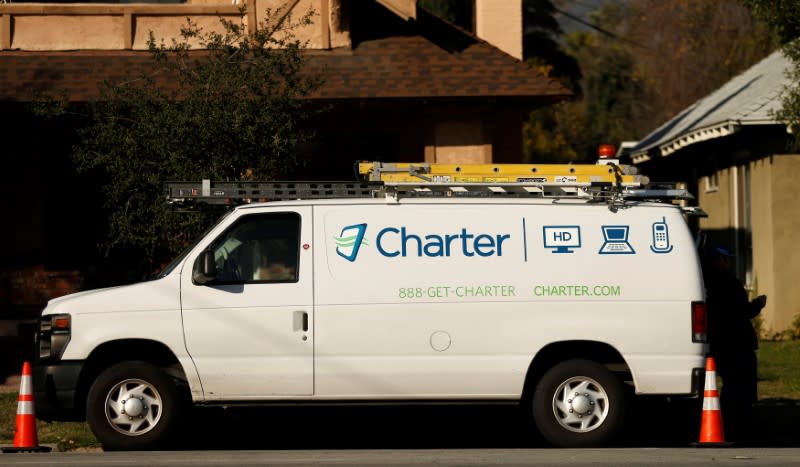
[(739, 163), (404, 84), (401, 84)]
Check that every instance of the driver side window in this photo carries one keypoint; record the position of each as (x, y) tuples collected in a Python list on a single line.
[(259, 248)]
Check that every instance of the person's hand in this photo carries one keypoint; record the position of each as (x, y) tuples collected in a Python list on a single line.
[(761, 300)]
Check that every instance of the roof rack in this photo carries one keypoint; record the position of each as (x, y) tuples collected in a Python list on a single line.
[(609, 183), (198, 195)]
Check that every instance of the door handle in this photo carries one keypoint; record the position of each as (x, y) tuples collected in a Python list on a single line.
[(300, 321)]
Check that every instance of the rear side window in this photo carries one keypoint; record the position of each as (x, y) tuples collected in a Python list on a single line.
[(259, 248)]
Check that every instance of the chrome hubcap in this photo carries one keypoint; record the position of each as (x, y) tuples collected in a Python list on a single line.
[(580, 404), (133, 407)]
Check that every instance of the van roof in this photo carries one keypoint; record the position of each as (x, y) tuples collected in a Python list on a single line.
[(493, 201)]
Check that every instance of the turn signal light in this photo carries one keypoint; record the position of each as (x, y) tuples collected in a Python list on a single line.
[(60, 323)]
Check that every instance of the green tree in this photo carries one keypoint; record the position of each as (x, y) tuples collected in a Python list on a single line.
[(608, 93), (540, 43), (229, 111), (548, 134), (642, 62), (686, 49), (457, 12), (784, 17)]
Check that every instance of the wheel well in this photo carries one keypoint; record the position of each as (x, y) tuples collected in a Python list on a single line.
[(110, 353), (556, 352)]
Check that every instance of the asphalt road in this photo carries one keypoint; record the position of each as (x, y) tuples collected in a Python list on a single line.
[(659, 434), (461, 457)]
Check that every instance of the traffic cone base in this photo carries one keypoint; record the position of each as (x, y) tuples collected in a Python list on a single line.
[(25, 438), (711, 433)]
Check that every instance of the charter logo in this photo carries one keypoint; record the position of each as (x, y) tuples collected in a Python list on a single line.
[(350, 240), (401, 241)]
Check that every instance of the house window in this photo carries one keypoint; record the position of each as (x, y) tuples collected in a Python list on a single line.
[(712, 182)]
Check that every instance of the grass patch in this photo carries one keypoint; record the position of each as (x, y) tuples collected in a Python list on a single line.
[(779, 370), (67, 435)]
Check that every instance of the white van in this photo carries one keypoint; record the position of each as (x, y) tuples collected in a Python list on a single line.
[(559, 305)]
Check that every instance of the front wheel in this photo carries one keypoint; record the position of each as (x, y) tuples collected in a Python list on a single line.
[(133, 406), (579, 403)]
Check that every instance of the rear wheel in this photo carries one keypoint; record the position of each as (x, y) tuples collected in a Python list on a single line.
[(132, 406), (579, 403)]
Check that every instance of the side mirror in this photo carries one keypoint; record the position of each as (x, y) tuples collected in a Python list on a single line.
[(205, 269)]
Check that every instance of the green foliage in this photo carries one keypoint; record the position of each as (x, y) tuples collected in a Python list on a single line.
[(611, 95), (687, 49), (790, 99), (642, 63), (457, 12), (231, 111), (546, 136), (540, 43), (550, 133), (794, 329), (782, 15), (778, 372)]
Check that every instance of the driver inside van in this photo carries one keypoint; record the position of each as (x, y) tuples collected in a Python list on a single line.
[(270, 261)]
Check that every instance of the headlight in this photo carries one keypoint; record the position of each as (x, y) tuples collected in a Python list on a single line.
[(53, 335)]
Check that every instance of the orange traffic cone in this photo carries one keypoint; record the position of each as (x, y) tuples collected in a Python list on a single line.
[(711, 432), (25, 438)]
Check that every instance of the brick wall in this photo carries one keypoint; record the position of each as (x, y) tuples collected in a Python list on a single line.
[(24, 291), (34, 285)]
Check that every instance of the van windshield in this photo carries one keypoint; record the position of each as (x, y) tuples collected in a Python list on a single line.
[(175, 262)]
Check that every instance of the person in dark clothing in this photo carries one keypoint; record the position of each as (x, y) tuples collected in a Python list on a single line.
[(732, 341)]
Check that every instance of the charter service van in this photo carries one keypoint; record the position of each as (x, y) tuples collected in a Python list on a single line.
[(560, 304)]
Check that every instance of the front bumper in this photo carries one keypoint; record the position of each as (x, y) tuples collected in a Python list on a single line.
[(54, 388)]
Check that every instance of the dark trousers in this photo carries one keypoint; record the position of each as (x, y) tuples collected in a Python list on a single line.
[(739, 373)]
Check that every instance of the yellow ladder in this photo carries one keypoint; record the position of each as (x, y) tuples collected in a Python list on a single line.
[(561, 175)]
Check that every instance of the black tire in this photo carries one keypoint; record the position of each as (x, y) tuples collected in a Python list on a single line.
[(155, 402), (601, 401)]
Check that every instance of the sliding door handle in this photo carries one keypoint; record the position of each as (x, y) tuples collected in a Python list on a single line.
[(305, 321)]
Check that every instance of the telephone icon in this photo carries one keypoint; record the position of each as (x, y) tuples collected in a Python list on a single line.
[(661, 242)]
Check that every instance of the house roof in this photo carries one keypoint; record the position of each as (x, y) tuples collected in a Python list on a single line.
[(748, 99), (401, 67), (426, 58)]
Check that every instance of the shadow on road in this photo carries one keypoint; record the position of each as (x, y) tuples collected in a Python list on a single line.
[(652, 423), (776, 422), (360, 427)]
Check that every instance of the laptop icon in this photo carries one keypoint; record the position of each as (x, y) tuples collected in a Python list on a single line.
[(616, 240)]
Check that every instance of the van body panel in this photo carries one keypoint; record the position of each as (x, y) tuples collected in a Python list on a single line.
[(147, 310), (426, 299)]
